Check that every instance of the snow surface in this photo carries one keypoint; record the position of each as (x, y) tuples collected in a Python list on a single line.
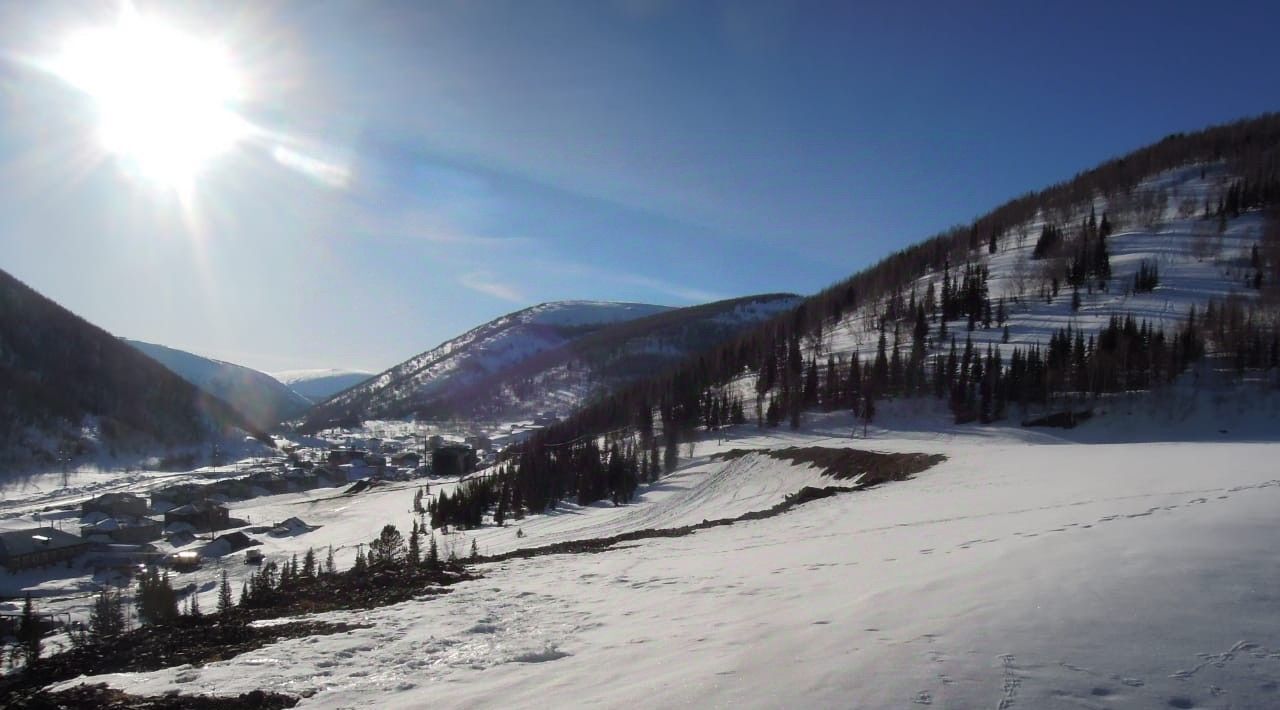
[(1028, 570)]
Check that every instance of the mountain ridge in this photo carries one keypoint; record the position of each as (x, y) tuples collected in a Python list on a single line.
[(261, 398)]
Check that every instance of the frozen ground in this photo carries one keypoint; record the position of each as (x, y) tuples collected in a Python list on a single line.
[(1028, 570)]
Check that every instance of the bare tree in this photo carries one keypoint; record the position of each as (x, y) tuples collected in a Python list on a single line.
[(1020, 275)]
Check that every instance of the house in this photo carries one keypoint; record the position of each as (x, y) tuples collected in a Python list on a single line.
[(125, 529), (408, 459), (179, 494), (201, 516), (36, 547), (337, 457), (116, 505), (228, 544), (453, 460), (480, 442)]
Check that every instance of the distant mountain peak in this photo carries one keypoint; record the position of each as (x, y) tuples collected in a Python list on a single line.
[(529, 360)]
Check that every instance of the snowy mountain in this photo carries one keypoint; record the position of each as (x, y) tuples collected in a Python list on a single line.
[(262, 399), (548, 358), (72, 391), (317, 385), (1195, 258)]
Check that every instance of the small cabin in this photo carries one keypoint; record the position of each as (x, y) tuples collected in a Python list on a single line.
[(201, 516), (116, 505)]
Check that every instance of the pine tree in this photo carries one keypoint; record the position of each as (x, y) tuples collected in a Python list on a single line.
[(329, 566), (29, 633), (415, 554), (309, 564), (475, 550), (433, 552), (156, 601), (224, 594), (106, 618)]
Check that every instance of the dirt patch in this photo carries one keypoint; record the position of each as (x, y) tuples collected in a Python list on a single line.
[(100, 696), (875, 467), (187, 640)]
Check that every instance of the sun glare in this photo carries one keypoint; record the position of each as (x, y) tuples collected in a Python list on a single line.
[(164, 99)]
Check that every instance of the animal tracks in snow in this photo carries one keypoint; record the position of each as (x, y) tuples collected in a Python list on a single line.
[(1087, 525)]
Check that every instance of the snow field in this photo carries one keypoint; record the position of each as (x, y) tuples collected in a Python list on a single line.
[(1025, 571)]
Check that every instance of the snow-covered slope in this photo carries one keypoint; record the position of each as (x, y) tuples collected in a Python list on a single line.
[(1027, 570), (1160, 223), (264, 400), (545, 358), (317, 385)]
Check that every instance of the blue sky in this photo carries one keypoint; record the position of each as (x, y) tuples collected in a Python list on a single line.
[(449, 162)]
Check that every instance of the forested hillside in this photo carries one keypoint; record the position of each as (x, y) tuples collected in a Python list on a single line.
[(1116, 281), (71, 389), (547, 359)]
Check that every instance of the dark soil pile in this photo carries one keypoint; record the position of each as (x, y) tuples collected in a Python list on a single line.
[(841, 464), (104, 698)]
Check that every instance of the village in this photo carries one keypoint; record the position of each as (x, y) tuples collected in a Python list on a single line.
[(196, 525)]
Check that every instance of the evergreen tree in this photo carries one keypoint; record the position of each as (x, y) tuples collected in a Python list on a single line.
[(156, 601), (433, 552), (106, 618), (309, 564), (224, 594), (415, 555), (29, 633)]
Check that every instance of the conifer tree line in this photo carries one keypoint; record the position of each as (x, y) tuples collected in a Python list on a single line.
[(917, 352)]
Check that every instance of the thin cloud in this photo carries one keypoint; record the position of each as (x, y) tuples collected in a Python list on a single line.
[(488, 283), (424, 226), (322, 171), (682, 292)]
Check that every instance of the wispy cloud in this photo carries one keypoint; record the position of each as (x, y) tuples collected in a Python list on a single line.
[(490, 284), (683, 292), (329, 173), (418, 225)]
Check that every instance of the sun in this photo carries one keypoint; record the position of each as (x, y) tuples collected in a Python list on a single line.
[(164, 99)]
